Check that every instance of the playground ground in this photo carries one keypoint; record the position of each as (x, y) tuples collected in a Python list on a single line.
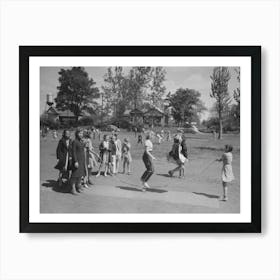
[(198, 192)]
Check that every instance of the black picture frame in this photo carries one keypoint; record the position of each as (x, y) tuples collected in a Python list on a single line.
[(25, 52)]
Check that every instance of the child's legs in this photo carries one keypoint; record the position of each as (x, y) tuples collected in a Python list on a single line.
[(225, 189), (114, 164)]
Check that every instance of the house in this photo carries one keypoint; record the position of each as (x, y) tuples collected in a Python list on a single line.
[(153, 116), (61, 116)]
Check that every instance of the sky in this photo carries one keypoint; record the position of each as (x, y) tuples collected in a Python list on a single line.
[(197, 78)]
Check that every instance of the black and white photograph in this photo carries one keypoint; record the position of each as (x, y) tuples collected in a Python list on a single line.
[(141, 135), (140, 139)]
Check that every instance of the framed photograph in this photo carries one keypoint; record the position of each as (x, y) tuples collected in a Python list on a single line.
[(140, 139)]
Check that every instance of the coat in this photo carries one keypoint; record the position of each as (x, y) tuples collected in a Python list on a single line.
[(78, 153), (62, 150)]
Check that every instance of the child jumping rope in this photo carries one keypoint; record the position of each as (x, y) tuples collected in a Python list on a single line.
[(178, 157), (227, 173), (148, 161)]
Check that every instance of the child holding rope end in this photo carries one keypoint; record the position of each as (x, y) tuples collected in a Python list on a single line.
[(227, 173)]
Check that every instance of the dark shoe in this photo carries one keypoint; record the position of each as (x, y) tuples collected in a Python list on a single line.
[(90, 181), (170, 173)]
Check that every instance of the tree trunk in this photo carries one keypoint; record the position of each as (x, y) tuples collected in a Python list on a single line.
[(220, 127)]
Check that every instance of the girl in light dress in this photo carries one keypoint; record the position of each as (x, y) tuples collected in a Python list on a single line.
[(227, 173), (90, 158), (126, 156)]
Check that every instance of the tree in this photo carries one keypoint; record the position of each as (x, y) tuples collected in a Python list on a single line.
[(138, 83), (186, 105), (219, 90), (114, 88), (76, 91), (236, 95), (157, 88)]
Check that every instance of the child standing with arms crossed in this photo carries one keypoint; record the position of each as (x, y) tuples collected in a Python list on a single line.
[(227, 173)]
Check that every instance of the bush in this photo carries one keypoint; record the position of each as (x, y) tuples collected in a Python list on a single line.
[(87, 120), (50, 123)]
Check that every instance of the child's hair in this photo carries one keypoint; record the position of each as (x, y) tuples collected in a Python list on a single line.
[(77, 132), (64, 132), (126, 140), (229, 148)]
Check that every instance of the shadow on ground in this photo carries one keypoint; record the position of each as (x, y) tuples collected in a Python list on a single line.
[(140, 190), (54, 185), (207, 195), (163, 174)]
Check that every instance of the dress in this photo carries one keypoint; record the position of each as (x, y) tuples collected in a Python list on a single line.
[(78, 153), (126, 152), (227, 173), (90, 158)]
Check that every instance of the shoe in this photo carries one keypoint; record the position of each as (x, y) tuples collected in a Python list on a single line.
[(86, 186), (105, 174), (90, 181), (97, 175), (74, 192), (170, 173)]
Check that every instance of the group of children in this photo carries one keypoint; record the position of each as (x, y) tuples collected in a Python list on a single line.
[(77, 158)]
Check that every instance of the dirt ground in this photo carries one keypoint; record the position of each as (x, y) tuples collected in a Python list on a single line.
[(198, 192)]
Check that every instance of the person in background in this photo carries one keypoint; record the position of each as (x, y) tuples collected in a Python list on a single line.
[(227, 173), (104, 149), (112, 155), (79, 162), (140, 140), (148, 161), (64, 157), (90, 157), (118, 144), (126, 156)]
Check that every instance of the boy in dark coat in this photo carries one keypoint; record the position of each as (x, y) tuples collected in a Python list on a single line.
[(79, 162), (64, 157)]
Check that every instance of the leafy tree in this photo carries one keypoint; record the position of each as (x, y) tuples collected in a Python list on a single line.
[(186, 105), (157, 88), (236, 95), (219, 90), (76, 91), (138, 83)]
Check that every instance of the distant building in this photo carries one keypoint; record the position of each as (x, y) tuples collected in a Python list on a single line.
[(152, 116), (61, 116)]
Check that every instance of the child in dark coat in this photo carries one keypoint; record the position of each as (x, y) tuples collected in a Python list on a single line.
[(64, 157)]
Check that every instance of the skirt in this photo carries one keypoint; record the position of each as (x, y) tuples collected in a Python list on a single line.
[(227, 173)]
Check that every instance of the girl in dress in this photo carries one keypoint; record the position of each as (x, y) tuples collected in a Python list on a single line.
[(177, 156), (148, 161), (104, 149), (227, 173), (64, 156), (90, 157), (126, 156)]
